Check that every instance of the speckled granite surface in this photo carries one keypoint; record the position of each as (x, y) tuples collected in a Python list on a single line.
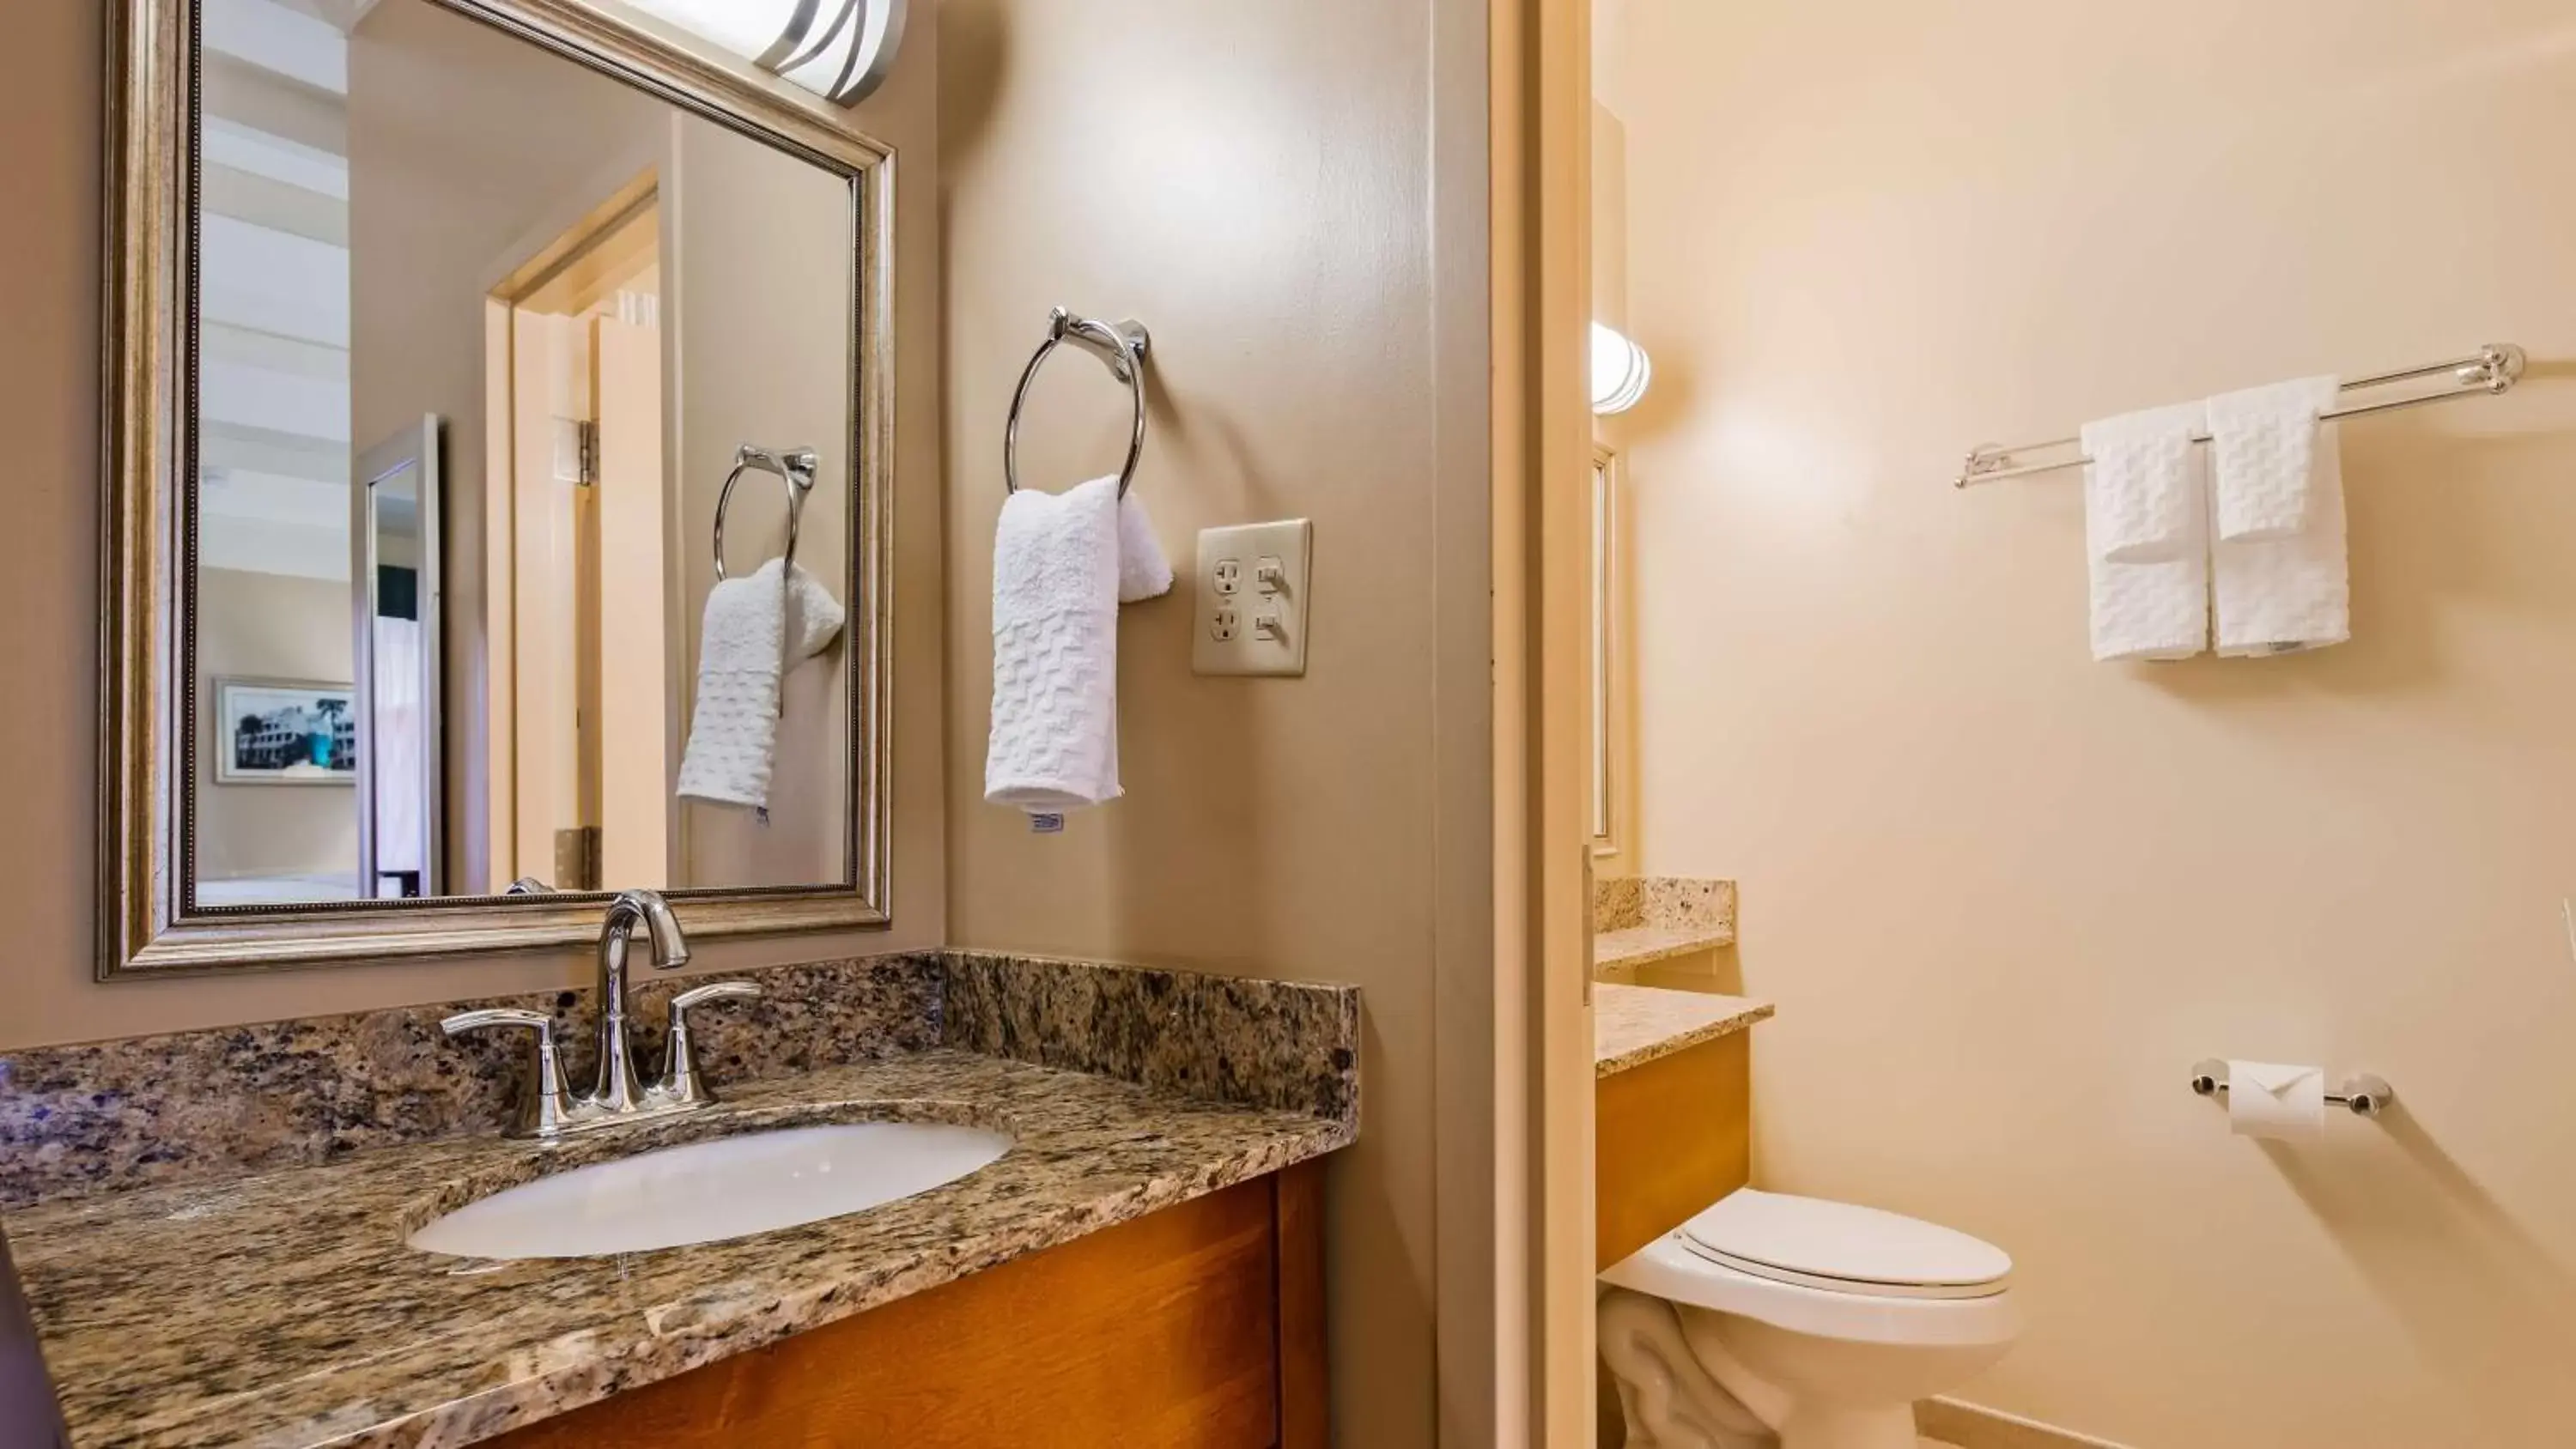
[(156, 1109), (1633, 1025), (284, 1311), (215, 1255), (1644, 945), (1641, 919), (1267, 1043), (165, 1109), (1620, 903)]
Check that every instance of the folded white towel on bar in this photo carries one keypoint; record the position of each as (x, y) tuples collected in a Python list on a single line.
[(2262, 457), (2146, 534), (1062, 563), (755, 629), (2285, 595), (2142, 495)]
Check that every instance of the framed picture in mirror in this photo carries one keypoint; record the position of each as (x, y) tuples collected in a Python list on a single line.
[(285, 732), (437, 329)]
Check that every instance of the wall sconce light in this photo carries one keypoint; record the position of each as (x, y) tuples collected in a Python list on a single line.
[(838, 49), (1620, 371)]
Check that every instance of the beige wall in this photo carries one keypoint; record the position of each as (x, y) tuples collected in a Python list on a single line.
[(2004, 896), (50, 106), (270, 626), (1254, 184)]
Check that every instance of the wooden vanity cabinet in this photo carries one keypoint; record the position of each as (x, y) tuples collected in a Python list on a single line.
[(1669, 1137), (1197, 1327)]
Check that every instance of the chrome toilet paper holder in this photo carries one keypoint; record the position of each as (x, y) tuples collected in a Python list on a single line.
[(2363, 1094)]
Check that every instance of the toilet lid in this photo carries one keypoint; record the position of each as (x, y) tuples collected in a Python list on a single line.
[(1841, 1247)]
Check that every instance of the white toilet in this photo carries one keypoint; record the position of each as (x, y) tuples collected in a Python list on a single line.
[(1817, 1322)]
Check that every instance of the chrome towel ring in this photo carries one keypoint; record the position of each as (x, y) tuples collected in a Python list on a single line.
[(1123, 347), (795, 467)]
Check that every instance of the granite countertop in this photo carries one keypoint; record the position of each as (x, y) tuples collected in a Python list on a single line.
[(1638, 920), (1640, 945), (284, 1311), (1633, 1025)]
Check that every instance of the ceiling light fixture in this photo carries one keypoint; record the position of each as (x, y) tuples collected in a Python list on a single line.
[(839, 49)]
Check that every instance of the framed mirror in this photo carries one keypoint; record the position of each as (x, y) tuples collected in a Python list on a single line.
[(497, 426)]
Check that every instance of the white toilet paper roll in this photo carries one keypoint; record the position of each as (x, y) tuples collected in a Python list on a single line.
[(2270, 1099)]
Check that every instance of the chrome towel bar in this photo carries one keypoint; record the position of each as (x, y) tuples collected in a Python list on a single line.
[(2494, 368)]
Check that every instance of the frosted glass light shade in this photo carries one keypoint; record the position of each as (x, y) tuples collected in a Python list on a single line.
[(839, 49), (1620, 371)]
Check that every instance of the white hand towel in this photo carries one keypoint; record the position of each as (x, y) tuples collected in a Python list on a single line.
[(2146, 536), (1056, 578), (2142, 496), (755, 629), (814, 617), (2281, 596), (2262, 458), (1143, 571)]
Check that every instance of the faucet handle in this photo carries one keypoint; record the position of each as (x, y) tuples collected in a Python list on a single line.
[(712, 991), (680, 1085), (544, 1106)]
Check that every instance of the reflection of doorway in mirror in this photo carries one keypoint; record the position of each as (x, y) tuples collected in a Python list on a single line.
[(397, 574), (579, 356)]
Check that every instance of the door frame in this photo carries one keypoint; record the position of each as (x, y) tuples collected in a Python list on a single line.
[(418, 448), (1511, 224)]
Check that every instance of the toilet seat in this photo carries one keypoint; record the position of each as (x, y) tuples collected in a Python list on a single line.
[(1680, 1270), (1843, 1247)]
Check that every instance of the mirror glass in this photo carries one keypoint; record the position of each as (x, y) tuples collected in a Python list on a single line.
[(1605, 525), (480, 334)]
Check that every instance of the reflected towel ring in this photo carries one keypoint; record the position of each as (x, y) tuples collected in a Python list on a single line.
[(1123, 347), (795, 467)]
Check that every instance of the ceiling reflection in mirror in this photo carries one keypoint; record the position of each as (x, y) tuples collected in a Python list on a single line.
[(481, 333)]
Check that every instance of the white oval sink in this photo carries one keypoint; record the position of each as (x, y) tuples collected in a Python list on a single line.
[(705, 1192)]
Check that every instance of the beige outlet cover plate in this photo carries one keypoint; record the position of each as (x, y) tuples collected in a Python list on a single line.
[(1252, 598)]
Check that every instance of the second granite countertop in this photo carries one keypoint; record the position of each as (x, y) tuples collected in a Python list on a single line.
[(285, 1311), (1633, 1025)]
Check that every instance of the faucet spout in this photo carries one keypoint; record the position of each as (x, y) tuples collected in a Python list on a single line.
[(670, 948), (619, 1090)]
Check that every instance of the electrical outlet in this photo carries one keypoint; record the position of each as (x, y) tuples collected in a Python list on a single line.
[(1262, 629)]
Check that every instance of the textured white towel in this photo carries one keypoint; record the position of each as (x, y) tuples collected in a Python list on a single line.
[(2146, 531), (756, 628), (1056, 584), (2142, 496), (2262, 458), (2281, 596)]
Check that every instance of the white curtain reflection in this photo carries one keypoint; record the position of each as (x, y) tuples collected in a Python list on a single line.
[(402, 816)]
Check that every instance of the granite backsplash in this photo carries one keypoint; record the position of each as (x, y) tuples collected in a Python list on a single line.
[(188, 1106)]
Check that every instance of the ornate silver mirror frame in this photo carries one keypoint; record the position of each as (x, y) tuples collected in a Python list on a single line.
[(149, 456)]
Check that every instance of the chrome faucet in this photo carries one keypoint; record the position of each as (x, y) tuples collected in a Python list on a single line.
[(618, 1093), (547, 1108)]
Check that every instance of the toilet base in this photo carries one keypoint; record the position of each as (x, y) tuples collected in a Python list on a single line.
[(1700, 1378)]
